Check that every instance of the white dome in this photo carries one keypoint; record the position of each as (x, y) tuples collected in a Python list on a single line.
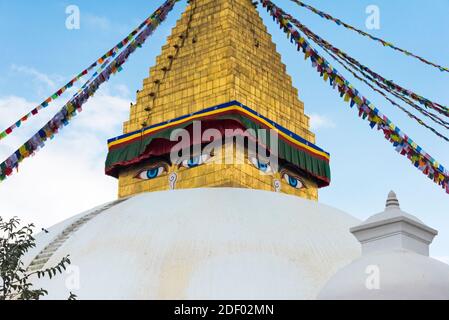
[(402, 275), (199, 244)]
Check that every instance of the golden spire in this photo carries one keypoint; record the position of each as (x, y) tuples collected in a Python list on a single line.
[(219, 51)]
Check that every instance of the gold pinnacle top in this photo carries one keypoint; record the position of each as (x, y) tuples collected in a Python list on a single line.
[(219, 51)]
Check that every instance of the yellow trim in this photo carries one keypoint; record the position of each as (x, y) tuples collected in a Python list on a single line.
[(218, 111)]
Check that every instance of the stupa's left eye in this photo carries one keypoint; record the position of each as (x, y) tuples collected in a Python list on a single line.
[(196, 161), (263, 166), (293, 181), (149, 174)]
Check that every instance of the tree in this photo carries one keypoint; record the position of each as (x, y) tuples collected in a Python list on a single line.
[(15, 241)]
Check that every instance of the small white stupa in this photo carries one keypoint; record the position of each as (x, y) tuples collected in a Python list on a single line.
[(395, 262)]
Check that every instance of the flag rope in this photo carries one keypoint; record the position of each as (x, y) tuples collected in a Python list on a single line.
[(348, 63), (403, 144), (389, 83), (382, 93), (365, 34), (103, 60), (63, 117)]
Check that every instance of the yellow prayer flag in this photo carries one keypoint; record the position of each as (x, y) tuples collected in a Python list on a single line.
[(23, 151)]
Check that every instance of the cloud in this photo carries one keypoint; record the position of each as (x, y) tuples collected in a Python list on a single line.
[(321, 122), (104, 24), (67, 176), (11, 108), (97, 22), (49, 81), (122, 90)]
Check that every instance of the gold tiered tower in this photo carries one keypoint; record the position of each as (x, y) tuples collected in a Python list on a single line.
[(219, 51)]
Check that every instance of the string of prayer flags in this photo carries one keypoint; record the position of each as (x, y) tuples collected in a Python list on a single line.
[(365, 34), (411, 115), (402, 143), (74, 106), (100, 61), (382, 86), (389, 83), (355, 65)]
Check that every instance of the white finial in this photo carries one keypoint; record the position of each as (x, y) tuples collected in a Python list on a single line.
[(392, 201), (394, 229)]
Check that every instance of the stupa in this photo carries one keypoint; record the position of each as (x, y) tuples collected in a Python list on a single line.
[(395, 262), (218, 176)]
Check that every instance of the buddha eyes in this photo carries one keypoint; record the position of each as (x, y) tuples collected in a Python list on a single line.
[(293, 181), (289, 178), (153, 173), (263, 166), (196, 161), (161, 167)]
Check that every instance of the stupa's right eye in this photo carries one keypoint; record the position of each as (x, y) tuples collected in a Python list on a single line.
[(152, 173), (293, 181)]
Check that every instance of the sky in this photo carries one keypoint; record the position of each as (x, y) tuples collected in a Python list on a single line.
[(39, 54)]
